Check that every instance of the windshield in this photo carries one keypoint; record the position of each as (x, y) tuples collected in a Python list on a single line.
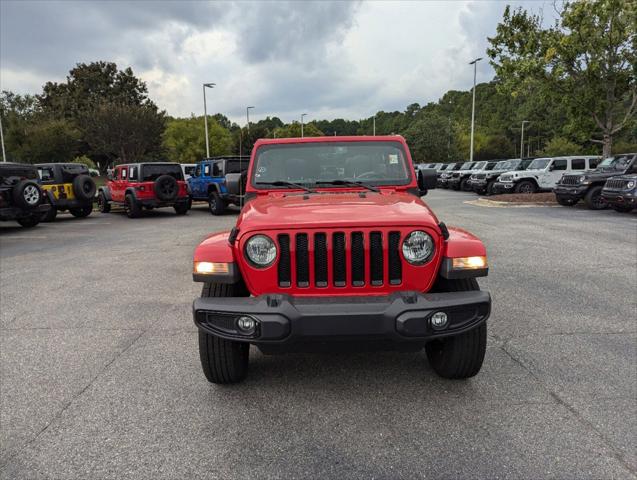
[(374, 163), (466, 165), (479, 166), (539, 164), (150, 173), (508, 165), (619, 163)]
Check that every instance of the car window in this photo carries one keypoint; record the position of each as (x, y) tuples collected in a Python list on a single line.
[(150, 172), (198, 171), (46, 174), (124, 172), (206, 170), (560, 164), (578, 164), (116, 174), (593, 162), (132, 175), (216, 169)]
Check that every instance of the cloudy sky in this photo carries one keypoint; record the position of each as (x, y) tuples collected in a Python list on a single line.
[(330, 59)]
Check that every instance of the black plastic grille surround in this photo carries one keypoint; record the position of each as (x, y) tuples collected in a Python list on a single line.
[(356, 258)]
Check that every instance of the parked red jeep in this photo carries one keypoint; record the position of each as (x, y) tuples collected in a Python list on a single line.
[(335, 248), (137, 186)]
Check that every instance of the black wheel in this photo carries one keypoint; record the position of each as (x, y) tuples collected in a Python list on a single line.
[(81, 212), (594, 200), (103, 205), (216, 204), (460, 356), (181, 208), (133, 209), (27, 194), (223, 361), (567, 202), (463, 185), (84, 187), (525, 186), (166, 188), (622, 208), (28, 222), (49, 215), (489, 190)]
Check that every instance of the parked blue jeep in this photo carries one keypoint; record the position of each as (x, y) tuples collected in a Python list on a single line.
[(220, 181)]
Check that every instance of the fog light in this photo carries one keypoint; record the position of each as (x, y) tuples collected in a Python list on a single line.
[(439, 320), (247, 325)]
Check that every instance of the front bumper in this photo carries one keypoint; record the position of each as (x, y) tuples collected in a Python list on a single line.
[(503, 187), (571, 192), (400, 317), (478, 184), (620, 197)]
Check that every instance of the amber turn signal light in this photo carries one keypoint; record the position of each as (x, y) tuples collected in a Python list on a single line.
[(207, 268), (469, 263)]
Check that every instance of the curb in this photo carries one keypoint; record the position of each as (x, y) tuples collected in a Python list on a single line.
[(483, 202)]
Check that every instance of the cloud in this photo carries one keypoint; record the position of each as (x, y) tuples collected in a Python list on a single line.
[(328, 59)]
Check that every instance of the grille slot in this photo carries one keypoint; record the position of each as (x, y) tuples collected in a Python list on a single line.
[(376, 258), (358, 259), (320, 260), (284, 260), (338, 259), (570, 180), (395, 267), (302, 261)]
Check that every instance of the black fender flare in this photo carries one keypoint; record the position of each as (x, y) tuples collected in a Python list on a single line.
[(213, 187), (107, 193), (130, 190)]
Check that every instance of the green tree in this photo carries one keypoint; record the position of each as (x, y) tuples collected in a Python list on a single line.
[(185, 141), (558, 146), (587, 61), (293, 130)]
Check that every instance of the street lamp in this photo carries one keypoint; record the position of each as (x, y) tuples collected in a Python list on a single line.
[(205, 116), (248, 117), (302, 115), (473, 104), (4, 155), (522, 139)]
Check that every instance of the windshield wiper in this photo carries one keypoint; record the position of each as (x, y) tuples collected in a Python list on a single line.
[(347, 182), (285, 183)]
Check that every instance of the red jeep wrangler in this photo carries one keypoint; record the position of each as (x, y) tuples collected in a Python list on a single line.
[(335, 248), (137, 186)]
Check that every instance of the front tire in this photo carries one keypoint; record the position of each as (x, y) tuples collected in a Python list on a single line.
[(622, 208), (81, 212), (103, 204), (133, 209), (594, 200), (525, 186), (216, 204), (223, 361), (50, 215), (181, 208), (459, 356), (29, 222)]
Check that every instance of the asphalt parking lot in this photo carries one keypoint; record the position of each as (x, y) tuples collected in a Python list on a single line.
[(100, 375)]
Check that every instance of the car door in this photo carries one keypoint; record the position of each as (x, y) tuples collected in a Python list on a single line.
[(119, 179), (194, 182), (554, 172)]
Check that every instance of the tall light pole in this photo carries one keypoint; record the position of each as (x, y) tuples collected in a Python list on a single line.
[(522, 139), (302, 115), (4, 154), (205, 116), (248, 117), (473, 104)]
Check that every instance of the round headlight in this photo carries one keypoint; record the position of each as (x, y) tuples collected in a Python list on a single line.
[(260, 250), (418, 247), (630, 184), (582, 178)]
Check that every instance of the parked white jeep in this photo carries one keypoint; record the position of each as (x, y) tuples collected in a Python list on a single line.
[(543, 174)]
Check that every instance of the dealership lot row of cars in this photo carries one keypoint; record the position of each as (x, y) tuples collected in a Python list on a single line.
[(597, 182)]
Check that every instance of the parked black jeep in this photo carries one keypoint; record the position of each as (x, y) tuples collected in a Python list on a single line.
[(21, 198), (71, 188), (621, 193), (588, 185)]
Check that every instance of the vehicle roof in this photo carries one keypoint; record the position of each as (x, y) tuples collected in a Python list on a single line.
[(61, 164), (331, 139), (146, 163), (16, 164)]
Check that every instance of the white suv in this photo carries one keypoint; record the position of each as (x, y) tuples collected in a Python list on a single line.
[(544, 173)]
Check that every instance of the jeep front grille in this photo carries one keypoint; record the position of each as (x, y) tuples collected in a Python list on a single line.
[(615, 183), (355, 258), (570, 180), (481, 175), (506, 178)]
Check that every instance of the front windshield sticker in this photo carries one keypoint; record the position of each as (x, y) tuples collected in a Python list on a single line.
[(393, 159)]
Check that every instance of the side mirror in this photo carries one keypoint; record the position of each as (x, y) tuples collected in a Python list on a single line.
[(427, 178)]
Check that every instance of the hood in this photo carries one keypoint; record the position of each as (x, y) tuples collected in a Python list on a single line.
[(597, 173), (335, 210)]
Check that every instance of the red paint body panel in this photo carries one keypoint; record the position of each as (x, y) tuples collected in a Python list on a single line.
[(463, 244), (215, 248)]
